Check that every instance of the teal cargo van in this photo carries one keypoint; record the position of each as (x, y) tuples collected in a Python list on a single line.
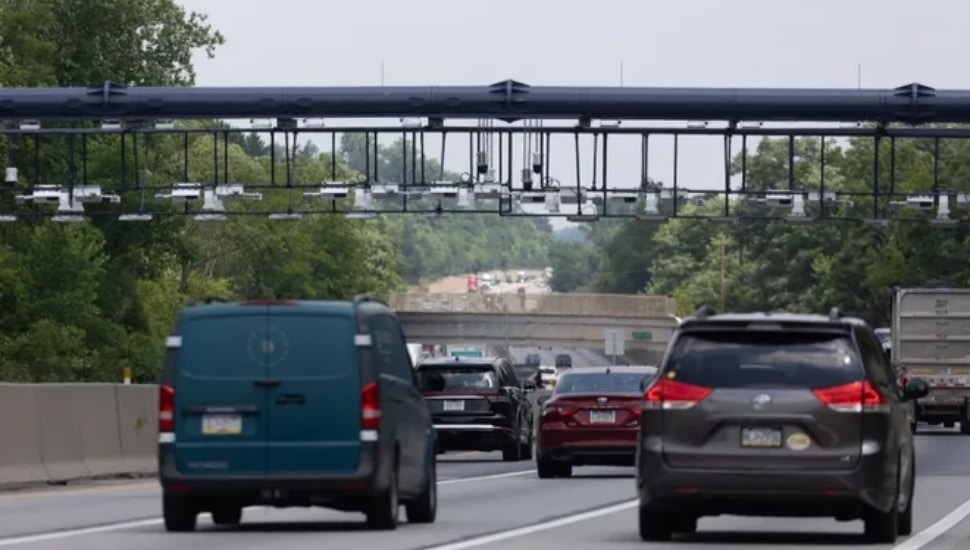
[(293, 403)]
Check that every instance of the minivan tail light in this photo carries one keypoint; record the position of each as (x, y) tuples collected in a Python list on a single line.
[(855, 397), (370, 407), (166, 408), (671, 395)]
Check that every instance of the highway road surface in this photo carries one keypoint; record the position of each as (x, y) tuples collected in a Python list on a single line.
[(483, 503)]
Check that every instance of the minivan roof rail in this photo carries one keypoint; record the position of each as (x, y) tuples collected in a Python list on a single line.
[(367, 298), (703, 311), (206, 300), (835, 314)]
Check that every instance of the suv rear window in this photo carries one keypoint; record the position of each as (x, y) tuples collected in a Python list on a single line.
[(600, 382), (738, 359), (468, 378)]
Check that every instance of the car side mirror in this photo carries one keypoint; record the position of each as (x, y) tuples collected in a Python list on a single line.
[(543, 399), (529, 386), (888, 354), (915, 388), (645, 383)]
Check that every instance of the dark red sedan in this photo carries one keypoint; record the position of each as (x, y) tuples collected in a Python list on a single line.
[(591, 419)]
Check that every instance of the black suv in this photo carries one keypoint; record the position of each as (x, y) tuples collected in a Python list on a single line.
[(776, 415), (564, 360), (479, 404)]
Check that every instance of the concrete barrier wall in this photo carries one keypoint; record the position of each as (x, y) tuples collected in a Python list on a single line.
[(55, 433)]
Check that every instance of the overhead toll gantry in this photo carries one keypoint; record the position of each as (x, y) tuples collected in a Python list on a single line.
[(511, 166)]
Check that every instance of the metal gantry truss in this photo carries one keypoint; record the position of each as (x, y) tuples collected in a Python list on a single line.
[(508, 151)]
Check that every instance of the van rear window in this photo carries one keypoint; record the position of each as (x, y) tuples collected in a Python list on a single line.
[(600, 382), (750, 359), (294, 345)]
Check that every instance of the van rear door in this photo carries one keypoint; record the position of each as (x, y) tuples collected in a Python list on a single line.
[(315, 409), (220, 405)]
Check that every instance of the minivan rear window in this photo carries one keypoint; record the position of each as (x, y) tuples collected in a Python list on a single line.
[(301, 346), (459, 379), (764, 360), (600, 382)]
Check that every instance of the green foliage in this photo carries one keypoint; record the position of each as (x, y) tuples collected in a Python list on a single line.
[(773, 266), (79, 302)]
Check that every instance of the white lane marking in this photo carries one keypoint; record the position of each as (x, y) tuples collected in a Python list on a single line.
[(43, 537), (926, 536), (483, 478), (537, 527)]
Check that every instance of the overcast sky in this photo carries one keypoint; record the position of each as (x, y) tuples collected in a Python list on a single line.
[(716, 43)]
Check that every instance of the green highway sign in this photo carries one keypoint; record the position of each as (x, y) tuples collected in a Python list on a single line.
[(467, 353), (642, 335)]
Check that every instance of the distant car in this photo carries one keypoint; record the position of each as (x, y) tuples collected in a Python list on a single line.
[(776, 415), (591, 419), (533, 360), (549, 376), (292, 403), (885, 336), (564, 360), (479, 404)]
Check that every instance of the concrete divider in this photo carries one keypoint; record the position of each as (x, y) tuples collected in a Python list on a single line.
[(62, 432), (138, 426), (21, 460)]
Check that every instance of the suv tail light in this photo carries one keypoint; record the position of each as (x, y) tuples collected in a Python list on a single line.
[(370, 407), (166, 408), (856, 397), (671, 395)]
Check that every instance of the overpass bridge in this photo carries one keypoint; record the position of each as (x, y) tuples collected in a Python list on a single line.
[(643, 323)]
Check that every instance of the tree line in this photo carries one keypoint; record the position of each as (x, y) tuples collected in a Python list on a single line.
[(771, 265), (82, 301)]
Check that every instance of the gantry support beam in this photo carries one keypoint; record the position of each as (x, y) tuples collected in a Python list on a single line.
[(508, 100)]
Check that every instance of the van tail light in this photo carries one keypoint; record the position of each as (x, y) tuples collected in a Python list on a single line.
[(671, 395), (855, 397), (166, 409), (370, 407), (557, 414)]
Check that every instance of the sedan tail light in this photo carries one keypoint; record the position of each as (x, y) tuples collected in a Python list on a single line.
[(668, 394), (856, 397), (557, 414)]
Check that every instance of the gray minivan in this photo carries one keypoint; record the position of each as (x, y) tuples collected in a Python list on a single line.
[(774, 414), (293, 403)]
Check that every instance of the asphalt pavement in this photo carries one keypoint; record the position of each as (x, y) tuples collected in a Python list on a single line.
[(483, 503)]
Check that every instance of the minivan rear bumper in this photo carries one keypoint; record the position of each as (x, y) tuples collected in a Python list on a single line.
[(372, 476), (820, 493)]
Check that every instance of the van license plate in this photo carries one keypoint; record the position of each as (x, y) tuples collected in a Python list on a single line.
[(602, 417), (221, 424), (454, 406), (760, 437)]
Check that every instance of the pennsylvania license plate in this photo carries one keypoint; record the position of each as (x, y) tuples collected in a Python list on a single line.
[(602, 417), (453, 406), (760, 437), (221, 424)]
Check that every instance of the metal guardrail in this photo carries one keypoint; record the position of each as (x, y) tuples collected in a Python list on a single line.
[(572, 305)]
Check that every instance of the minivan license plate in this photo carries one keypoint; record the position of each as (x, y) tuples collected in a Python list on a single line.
[(454, 406), (221, 424), (760, 437)]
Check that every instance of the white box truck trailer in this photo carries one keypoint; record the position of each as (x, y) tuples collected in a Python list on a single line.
[(931, 340)]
